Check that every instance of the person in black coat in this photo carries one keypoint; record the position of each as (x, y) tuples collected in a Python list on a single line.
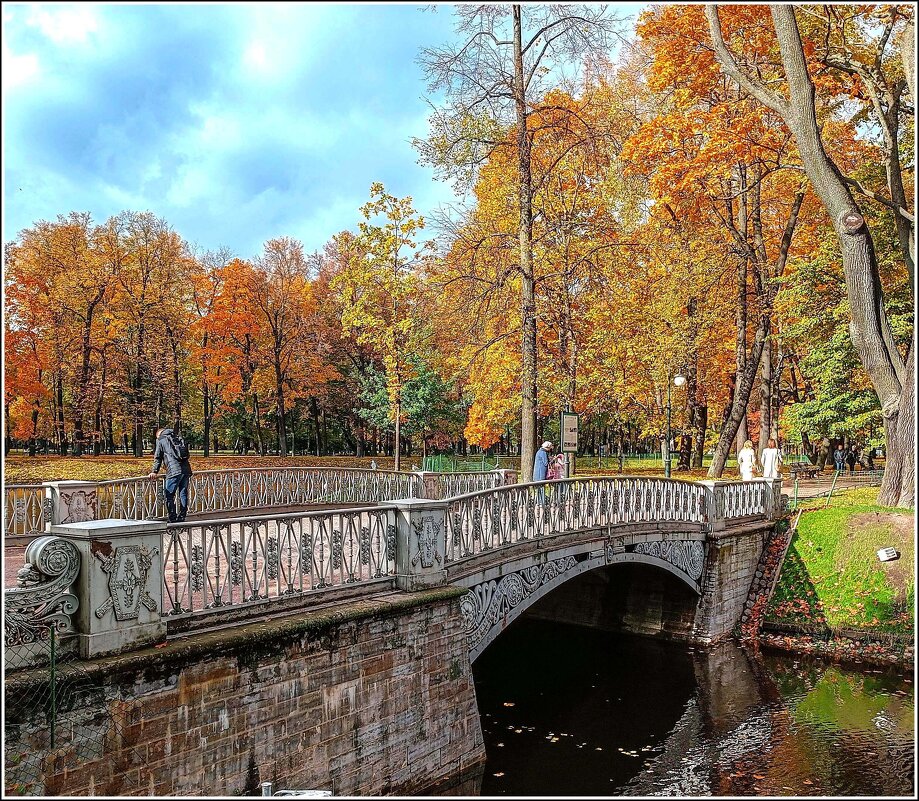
[(168, 450)]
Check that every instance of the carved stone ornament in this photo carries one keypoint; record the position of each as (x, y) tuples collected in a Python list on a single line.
[(42, 599), (127, 568), (427, 534), (81, 506), (686, 556), (488, 603)]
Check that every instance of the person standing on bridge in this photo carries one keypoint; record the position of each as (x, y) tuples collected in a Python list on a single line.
[(746, 461), (772, 459), (541, 463), (171, 449)]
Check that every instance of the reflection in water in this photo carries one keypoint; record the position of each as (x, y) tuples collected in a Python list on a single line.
[(574, 711)]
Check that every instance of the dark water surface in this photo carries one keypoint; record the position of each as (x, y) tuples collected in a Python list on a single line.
[(570, 711)]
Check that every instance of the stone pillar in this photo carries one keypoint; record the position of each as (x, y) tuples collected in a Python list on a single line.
[(421, 543), (777, 507), (120, 584), (715, 518), (70, 502), (430, 485), (507, 477)]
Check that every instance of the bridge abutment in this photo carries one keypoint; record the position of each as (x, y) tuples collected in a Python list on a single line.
[(732, 557), (374, 697)]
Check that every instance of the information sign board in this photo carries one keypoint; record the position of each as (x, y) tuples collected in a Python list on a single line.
[(569, 430)]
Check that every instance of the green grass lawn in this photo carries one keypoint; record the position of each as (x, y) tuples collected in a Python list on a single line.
[(832, 575)]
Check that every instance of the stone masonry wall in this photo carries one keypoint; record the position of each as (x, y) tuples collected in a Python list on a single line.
[(633, 598), (374, 698), (731, 561)]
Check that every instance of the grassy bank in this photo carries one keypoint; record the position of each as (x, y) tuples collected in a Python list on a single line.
[(832, 577)]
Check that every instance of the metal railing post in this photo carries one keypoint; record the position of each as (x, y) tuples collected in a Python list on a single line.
[(832, 487), (53, 686)]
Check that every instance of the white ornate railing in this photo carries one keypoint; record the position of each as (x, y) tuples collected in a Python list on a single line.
[(734, 499), (23, 509), (214, 491), (449, 485), (484, 520), (242, 561)]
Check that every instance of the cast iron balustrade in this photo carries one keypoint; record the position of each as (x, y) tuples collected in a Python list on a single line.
[(235, 562)]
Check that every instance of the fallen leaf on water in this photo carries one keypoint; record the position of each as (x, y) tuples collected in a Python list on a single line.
[(500, 745), (508, 703), (499, 774)]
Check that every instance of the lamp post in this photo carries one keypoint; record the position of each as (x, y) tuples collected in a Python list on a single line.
[(678, 380)]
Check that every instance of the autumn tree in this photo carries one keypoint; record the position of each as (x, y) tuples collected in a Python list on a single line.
[(491, 78), (869, 327), (379, 288), (281, 294)]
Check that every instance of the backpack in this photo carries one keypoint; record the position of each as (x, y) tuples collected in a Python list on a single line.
[(180, 447)]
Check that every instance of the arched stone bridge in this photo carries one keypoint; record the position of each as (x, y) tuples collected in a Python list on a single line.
[(514, 545)]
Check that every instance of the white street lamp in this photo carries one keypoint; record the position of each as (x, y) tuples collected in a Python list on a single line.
[(678, 380)]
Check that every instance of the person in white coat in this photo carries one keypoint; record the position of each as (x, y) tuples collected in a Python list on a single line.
[(772, 460), (746, 461)]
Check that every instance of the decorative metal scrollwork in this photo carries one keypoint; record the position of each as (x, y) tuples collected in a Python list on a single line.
[(686, 556), (336, 549), (42, 600), (272, 557), (196, 569), (489, 602), (236, 563)]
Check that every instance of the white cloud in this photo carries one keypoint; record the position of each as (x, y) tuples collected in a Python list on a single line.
[(18, 69), (64, 24)]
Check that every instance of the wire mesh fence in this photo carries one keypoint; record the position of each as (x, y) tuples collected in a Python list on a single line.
[(57, 718)]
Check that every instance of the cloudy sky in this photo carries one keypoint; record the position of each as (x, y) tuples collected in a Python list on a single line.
[(236, 123)]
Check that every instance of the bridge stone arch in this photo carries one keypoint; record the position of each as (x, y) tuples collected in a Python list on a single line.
[(495, 601)]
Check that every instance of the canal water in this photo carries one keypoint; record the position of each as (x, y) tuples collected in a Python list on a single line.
[(571, 711)]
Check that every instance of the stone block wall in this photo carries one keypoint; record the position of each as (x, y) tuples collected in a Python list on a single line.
[(375, 698), (732, 558), (628, 597)]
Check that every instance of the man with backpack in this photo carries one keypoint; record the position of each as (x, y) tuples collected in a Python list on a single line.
[(171, 449)]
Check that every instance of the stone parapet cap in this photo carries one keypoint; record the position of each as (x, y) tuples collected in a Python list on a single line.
[(91, 529), (417, 504)]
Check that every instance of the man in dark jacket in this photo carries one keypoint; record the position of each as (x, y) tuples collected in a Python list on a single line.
[(178, 473)]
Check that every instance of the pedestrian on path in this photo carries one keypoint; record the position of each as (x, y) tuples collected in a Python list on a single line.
[(772, 459), (171, 449), (746, 461), (851, 459), (839, 458)]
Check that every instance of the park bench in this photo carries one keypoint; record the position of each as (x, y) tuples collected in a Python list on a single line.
[(805, 471)]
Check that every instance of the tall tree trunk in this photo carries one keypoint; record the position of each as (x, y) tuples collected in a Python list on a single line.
[(59, 412), (869, 326), (527, 283), (206, 398), (765, 398), (741, 398), (282, 420), (138, 399), (397, 448), (257, 414), (314, 412)]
